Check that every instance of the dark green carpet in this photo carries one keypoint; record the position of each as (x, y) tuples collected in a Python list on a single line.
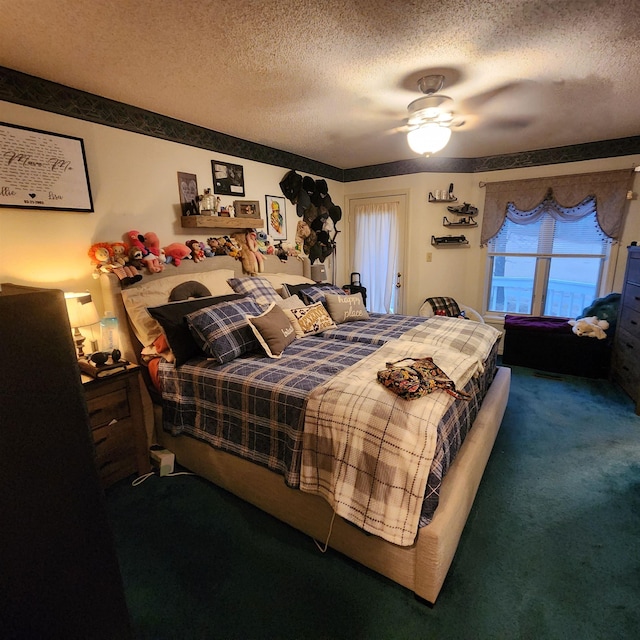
[(551, 549)]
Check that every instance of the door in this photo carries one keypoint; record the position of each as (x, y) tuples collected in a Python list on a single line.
[(376, 244)]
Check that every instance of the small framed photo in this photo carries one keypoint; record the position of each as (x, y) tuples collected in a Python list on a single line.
[(228, 179), (276, 217), (246, 208), (188, 188)]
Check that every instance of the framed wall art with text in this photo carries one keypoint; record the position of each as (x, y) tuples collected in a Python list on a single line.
[(43, 170)]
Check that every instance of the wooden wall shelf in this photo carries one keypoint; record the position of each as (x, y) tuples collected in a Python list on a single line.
[(221, 222)]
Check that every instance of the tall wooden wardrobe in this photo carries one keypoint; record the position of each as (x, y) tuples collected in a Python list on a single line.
[(59, 574)]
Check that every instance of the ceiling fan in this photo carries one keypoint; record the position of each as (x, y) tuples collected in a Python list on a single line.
[(431, 117)]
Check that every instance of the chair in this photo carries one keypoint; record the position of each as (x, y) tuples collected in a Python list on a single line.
[(445, 306)]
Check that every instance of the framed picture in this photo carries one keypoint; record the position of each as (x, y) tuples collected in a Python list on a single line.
[(188, 188), (42, 170), (228, 179), (246, 208), (276, 217)]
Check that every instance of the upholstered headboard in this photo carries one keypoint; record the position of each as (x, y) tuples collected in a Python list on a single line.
[(188, 270)]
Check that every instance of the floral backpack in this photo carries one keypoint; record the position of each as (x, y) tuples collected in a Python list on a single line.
[(418, 379)]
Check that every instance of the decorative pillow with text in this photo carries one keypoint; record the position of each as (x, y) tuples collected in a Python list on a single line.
[(346, 308), (308, 321)]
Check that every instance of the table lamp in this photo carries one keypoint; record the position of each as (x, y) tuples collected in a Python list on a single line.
[(82, 313)]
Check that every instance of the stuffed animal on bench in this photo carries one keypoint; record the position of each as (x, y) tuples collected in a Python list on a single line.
[(591, 327)]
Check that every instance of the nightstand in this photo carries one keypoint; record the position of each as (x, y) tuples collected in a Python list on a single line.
[(117, 425)]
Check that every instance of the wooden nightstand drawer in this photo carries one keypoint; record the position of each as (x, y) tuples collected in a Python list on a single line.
[(104, 409), (114, 468), (117, 425), (114, 437)]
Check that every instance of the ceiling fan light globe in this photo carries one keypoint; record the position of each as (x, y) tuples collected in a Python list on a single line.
[(428, 138)]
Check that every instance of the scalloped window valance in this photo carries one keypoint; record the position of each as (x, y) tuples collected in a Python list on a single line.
[(609, 188)]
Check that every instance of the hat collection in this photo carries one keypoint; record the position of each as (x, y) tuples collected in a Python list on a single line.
[(316, 231)]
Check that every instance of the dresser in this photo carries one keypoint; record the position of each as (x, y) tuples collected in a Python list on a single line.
[(626, 350)]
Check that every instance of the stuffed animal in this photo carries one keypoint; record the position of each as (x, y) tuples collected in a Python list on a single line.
[(149, 259), (591, 327), (231, 246), (105, 261), (122, 261), (177, 252), (216, 246), (252, 259), (196, 250)]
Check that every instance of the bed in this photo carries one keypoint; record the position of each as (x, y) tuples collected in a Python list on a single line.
[(269, 472)]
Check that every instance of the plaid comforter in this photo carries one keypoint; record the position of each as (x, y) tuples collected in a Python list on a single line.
[(380, 328), (369, 452), (253, 407)]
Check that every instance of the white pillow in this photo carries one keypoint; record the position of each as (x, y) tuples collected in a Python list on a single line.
[(156, 293), (292, 302)]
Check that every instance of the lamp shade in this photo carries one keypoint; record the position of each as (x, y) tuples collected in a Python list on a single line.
[(82, 311), (428, 138)]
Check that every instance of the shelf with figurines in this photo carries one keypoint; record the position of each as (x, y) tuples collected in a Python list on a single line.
[(449, 241), (442, 196)]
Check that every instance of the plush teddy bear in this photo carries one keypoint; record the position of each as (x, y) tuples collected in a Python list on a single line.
[(121, 262), (591, 327), (251, 258), (177, 252)]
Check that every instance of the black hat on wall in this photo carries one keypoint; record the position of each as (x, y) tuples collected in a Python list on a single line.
[(291, 185)]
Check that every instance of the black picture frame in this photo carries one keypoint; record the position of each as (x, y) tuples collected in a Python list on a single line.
[(43, 170), (188, 190), (228, 178)]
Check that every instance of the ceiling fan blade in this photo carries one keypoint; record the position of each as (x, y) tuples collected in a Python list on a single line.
[(480, 100)]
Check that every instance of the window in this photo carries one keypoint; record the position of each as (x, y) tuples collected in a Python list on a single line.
[(548, 261)]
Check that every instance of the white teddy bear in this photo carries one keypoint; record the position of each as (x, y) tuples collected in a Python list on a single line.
[(591, 327)]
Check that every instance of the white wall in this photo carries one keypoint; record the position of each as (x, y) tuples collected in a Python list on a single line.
[(460, 271), (134, 186)]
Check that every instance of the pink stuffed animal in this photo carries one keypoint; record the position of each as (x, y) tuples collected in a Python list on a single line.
[(177, 252)]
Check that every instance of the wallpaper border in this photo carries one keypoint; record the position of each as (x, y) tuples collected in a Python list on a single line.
[(31, 91)]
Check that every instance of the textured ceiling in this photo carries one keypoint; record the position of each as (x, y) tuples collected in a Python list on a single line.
[(331, 80)]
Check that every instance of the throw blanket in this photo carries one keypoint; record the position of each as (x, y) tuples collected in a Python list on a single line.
[(471, 338), (367, 451)]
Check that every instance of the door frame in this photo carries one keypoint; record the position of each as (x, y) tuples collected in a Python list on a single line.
[(402, 197)]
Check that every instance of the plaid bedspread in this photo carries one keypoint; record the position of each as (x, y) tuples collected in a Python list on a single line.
[(471, 338), (253, 406), (369, 452), (380, 328)]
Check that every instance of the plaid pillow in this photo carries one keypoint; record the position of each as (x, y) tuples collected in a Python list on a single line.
[(317, 293), (444, 306), (223, 331), (257, 287)]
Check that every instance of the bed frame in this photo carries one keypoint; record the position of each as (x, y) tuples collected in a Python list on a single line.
[(421, 567)]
